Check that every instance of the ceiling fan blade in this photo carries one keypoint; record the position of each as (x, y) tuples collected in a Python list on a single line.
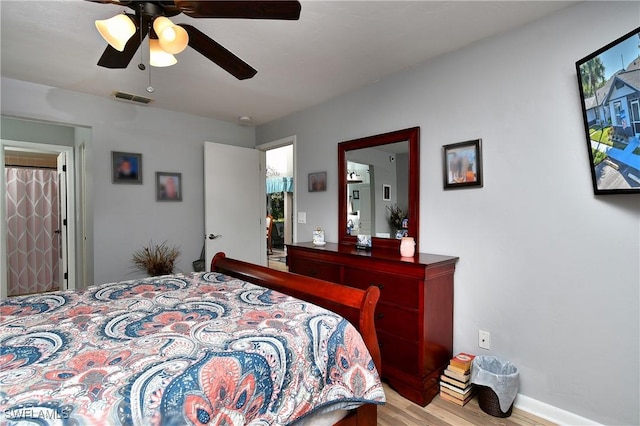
[(113, 58), (247, 9), (215, 52)]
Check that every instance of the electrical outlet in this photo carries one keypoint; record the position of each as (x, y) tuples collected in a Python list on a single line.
[(484, 339), (302, 217)]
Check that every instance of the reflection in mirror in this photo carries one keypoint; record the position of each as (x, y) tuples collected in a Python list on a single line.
[(378, 174), (377, 181)]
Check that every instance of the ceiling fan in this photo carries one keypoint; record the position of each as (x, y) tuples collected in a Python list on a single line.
[(166, 38)]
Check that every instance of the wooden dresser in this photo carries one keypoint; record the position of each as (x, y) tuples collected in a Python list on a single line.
[(414, 317)]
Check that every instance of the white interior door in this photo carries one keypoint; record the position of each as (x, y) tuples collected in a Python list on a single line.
[(62, 231), (234, 206)]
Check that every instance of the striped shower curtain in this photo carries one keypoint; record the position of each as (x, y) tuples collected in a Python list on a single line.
[(32, 219)]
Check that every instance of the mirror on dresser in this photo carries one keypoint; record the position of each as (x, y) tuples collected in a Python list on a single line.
[(377, 173)]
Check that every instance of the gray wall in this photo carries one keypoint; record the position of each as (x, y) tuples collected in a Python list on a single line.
[(548, 268), (125, 217)]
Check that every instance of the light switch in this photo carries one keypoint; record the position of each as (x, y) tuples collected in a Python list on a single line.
[(302, 217)]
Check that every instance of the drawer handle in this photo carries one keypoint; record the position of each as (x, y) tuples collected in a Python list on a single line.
[(380, 315), (380, 286)]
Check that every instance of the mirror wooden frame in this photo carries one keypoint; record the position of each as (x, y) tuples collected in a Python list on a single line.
[(412, 135)]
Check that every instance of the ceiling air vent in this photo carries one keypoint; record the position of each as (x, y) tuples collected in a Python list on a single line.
[(132, 98)]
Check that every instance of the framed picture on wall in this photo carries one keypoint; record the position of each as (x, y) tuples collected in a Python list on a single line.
[(386, 192), (462, 164), (317, 181), (610, 99), (126, 167), (168, 186)]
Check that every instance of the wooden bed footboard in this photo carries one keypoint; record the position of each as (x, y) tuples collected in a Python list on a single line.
[(356, 305)]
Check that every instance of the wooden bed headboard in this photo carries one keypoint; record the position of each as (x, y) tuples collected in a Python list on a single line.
[(356, 305)]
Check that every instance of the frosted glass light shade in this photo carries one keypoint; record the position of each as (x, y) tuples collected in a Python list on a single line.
[(160, 23), (158, 57), (117, 30), (173, 38)]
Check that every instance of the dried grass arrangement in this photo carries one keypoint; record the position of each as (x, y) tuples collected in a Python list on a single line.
[(156, 259), (396, 216)]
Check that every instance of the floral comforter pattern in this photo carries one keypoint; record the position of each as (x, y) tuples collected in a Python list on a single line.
[(177, 350)]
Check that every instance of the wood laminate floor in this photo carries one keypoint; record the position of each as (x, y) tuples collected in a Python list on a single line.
[(399, 411)]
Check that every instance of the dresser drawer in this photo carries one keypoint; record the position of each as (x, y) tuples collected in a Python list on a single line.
[(315, 269), (397, 321), (398, 353), (393, 289)]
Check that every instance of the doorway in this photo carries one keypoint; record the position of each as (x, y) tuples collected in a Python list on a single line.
[(36, 197), (279, 199)]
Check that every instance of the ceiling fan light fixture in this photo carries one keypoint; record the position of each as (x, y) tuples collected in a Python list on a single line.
[(117, 30), (173, 38), (158, 57)]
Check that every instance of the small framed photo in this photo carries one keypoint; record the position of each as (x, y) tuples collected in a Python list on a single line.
[(318, 237), (386, 192), (317, 181), (168, 186), (126, 167), (462, 164), (356, 194), (364, 242)]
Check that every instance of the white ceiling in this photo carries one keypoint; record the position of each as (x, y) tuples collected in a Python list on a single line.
[(335, 47)]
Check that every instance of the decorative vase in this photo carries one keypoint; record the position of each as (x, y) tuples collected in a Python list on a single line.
[(407, 247)]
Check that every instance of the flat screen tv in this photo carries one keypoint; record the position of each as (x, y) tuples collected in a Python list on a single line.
[(609, 81)]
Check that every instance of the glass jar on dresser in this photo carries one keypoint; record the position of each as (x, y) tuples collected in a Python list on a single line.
[(414, 316)]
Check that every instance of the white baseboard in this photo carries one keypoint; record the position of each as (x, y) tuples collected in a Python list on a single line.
[(551, 413)]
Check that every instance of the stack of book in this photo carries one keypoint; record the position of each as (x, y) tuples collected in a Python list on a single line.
[(454, 383)]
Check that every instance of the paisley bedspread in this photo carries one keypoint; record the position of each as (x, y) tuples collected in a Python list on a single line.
[(177, 350)]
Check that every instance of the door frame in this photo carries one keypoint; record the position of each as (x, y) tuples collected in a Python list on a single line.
[(71, 202), (289, 140)]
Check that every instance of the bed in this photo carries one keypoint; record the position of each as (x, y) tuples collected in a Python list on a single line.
[(242, 344)]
